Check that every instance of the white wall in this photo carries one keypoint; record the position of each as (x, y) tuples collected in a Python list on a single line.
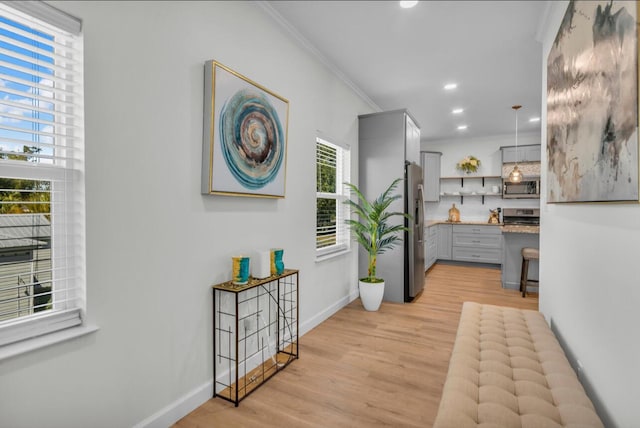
[(154, 243), (487, 149), (589, 286)]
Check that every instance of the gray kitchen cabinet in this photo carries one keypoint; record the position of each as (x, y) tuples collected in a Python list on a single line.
[(412, 140), (430, 246), (528, 153), (480, 244), (431, 175), (509, 154), (512, 258), (533, 153), (444, 242)]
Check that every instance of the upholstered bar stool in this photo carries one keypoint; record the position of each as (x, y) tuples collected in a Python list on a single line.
[(527, 254)]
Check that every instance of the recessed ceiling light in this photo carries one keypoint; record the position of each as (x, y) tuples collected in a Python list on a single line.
[(462, 127), (534, 119), (450, 86), (405, 4), (457, 110)]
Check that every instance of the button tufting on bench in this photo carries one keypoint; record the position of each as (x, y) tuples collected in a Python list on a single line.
[(508, 370)]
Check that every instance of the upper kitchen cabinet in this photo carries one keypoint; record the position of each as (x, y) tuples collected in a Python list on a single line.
[(412, 140), (386, 141), (431, 175), (528, 153)]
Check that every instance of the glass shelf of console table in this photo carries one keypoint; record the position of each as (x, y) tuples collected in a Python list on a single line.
[(255, 333)]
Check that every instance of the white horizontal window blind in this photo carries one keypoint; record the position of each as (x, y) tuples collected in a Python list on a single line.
[(332, 170), (42, 272)]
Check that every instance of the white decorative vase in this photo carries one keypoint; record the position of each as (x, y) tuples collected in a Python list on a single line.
[(371, 294)]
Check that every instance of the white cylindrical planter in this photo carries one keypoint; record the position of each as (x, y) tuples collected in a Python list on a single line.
[(371, 294)]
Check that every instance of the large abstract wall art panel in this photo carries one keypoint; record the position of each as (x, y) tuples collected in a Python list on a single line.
[(592, 104), (245, 136)]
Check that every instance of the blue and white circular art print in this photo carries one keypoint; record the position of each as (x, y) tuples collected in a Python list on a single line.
[(251, 138)]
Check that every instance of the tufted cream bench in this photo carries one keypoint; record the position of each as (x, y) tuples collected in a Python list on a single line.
[(507, 369)]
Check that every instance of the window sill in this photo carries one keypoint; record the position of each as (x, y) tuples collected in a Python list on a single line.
[(24, 346), (333, 255)]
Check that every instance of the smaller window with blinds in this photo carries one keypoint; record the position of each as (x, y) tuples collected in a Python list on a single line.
[(332, 171)]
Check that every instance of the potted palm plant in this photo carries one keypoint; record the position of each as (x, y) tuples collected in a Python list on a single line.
[(372, 229)]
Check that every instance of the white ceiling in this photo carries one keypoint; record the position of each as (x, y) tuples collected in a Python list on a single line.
[(402, 58)]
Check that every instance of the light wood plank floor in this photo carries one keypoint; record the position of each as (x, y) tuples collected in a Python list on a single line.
[(363, 369)]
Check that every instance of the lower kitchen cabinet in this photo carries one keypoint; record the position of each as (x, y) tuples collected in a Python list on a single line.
[(480, 244), (431, 246), (444, 242)]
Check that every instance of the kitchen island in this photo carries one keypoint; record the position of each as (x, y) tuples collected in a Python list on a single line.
[(515, 238)]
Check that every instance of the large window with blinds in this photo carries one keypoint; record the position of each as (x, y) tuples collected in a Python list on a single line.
[(332, 171), (42, 272)]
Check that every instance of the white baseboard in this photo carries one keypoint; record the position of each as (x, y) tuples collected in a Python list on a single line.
[(175, 411), (310, 324)]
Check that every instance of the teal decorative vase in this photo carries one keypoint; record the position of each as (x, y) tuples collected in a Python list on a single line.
[(277, 265), (240, 269)]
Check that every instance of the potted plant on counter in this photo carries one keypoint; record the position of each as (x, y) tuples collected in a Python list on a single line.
[(372, 229)]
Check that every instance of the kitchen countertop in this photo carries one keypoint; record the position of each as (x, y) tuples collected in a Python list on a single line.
[(517, 228), (509, 228)]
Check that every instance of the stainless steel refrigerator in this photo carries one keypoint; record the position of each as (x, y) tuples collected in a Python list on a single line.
[(414, 236), (389, 147)]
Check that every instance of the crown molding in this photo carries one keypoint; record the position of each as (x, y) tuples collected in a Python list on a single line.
[(295, 34), (543, 23)]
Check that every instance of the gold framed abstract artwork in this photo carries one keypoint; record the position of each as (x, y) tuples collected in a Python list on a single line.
[(245, 136), (592, 104)]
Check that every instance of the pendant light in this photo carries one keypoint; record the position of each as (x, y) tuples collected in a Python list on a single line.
[(516, 176)]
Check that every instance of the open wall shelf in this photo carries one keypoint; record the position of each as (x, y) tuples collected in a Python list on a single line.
[(473, 177), (485, 179)]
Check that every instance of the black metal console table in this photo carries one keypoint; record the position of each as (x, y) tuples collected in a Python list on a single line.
[(255, 333)]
